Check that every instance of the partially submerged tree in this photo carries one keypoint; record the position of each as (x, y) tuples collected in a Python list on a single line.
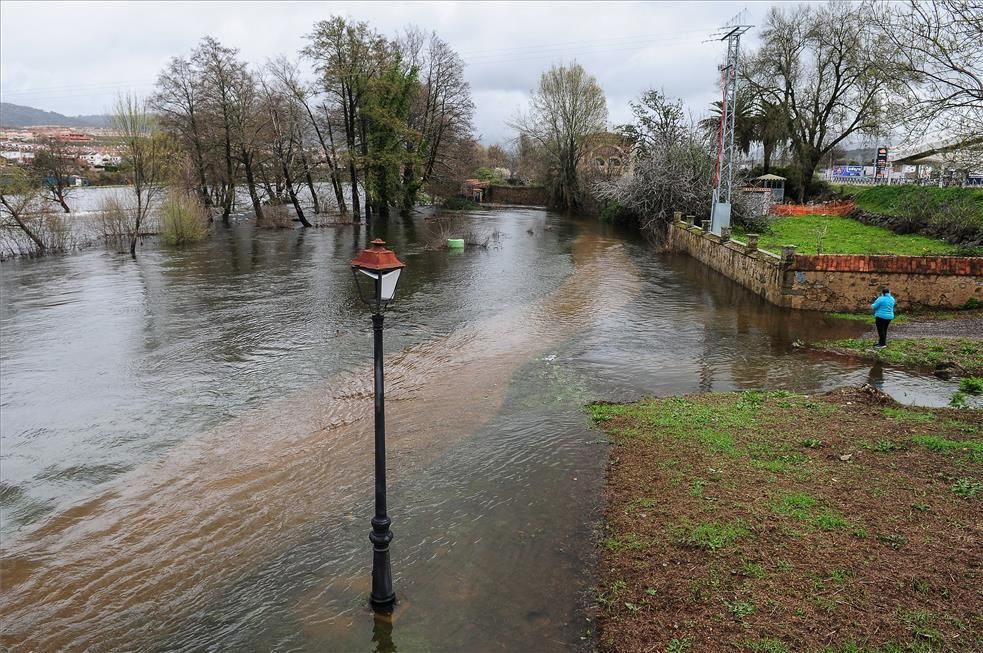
[(829, 71), (443, 110), (22, 208), (180, 105), (56, 164), (221, 75), (147, 156), (564, 112), (346, 55)]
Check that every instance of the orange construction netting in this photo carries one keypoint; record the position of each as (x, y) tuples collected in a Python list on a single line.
[(823, 208)]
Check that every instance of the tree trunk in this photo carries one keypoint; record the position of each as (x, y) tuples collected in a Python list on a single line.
[(310, 181), (227, 204), (348, 111), (136, 228), (807, 168), (410, 189), (293, 195), (59, 193), (363, 128), (335, 174), (247, 162)]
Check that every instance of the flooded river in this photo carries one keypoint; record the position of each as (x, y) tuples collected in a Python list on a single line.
[(187, 438)]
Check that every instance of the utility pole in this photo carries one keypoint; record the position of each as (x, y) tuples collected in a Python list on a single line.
[(726, 156)]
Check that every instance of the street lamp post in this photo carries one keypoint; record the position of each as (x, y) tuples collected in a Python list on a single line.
[(376, 271)]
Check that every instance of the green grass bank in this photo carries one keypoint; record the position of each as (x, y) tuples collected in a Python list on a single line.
[(900, 200), (962, 356), (821, 234)]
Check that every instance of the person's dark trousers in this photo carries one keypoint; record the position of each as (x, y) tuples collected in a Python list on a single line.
[(882, 330)]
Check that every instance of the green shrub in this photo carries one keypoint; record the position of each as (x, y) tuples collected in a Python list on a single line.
[(183, 219), (460, 204), (612, 211), (972, 385), (959, 218)]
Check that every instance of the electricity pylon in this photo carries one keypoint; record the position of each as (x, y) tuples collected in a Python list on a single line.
[(726, 160)]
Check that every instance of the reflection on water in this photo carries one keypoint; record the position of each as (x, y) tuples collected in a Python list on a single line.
[(187, 439), (876, 375), (382, 634)]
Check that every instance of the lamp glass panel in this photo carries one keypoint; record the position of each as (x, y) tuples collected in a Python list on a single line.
[(389, 281)]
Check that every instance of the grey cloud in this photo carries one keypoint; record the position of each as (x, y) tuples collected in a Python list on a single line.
[(91, 51)]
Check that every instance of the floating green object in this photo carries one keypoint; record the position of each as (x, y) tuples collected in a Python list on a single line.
[(455, 243)]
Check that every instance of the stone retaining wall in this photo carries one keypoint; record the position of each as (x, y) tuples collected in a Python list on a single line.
[(526, 195), (831, 282)]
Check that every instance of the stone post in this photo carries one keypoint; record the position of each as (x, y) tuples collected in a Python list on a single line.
[(706, 225), (788, 254), (677, 216), (752, 242), (691, 220), (725, 233)]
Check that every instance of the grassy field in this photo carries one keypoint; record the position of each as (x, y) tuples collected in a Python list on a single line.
[(775, 522), (844, 236), (963, 355), (898, 200)]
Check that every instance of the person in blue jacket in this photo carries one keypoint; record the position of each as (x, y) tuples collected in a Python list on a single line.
[(883, 314)]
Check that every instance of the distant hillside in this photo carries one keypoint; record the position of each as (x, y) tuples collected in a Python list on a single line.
[(15, 115)]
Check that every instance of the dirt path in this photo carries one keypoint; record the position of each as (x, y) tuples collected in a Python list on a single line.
[(969, 327), (781, 523)]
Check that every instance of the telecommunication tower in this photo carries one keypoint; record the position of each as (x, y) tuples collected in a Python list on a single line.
[(723, 180)]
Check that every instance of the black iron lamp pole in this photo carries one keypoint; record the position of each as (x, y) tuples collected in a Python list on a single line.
[(377, 272), (383, 597)]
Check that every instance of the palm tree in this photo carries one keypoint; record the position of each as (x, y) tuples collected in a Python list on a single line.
[(771, 129), (745, 125)]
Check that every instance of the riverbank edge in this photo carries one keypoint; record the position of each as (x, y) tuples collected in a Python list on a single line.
[(699, 554), (945, 357)]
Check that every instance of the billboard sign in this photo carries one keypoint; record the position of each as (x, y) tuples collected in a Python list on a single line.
[(848, 171)]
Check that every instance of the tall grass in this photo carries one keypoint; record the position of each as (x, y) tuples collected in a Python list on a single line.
[(183, 219), (275, 216), (114, 221)]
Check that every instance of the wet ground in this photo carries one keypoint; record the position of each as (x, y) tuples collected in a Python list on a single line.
[(187, 438)]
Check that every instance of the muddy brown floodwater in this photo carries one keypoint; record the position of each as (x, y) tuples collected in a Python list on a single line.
[(187, 440)]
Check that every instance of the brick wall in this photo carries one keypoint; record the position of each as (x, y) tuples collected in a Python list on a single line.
[(836, 283), (525, 195), (957, 265)]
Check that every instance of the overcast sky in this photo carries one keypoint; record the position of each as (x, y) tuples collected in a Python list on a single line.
[(74, 57)]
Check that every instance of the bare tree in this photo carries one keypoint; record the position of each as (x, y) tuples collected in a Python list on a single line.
[(56, 164), (346, 55), (443, 111), (286, 144), (673, 169), (831, 73), (220, 72), (249, 129), (147, 155), (179, 103), (287, 77), (939, 50), (567, 108), (22, 207)]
